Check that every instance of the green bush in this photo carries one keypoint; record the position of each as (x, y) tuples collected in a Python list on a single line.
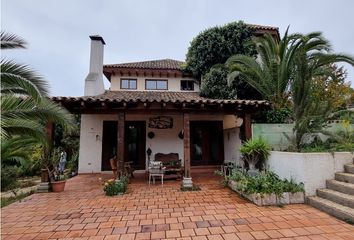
[(255, 152), (265, 182), (8, 177), (114, 187)]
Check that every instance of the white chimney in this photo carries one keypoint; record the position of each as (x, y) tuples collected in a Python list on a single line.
[(94, 80)]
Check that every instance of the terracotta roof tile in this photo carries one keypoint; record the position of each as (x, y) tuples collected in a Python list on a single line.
[(167, 64), (156, 96)]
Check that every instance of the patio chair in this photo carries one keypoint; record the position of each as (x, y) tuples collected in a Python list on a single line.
[(156, 170)]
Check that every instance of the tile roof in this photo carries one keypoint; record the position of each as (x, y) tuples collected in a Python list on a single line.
[(263, 27), (157, 96), (167, 64)]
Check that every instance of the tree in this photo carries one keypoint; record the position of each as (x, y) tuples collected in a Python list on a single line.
[(215, 45), (25, 106), (269, 73), (284, 73)]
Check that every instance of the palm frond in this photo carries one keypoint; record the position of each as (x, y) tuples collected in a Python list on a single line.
[(11, 41)]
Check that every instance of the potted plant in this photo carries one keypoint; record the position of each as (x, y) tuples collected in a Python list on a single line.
[(255, 151), (56, 175)]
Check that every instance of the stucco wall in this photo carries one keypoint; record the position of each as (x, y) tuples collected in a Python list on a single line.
[(174, 84), (313, 169), (232, 144), (165, 140)]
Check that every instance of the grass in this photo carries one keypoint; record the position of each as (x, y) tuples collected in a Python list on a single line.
[(21, 183), (7, 201)]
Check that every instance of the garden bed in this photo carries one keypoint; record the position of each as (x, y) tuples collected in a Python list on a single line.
[(269, 199)]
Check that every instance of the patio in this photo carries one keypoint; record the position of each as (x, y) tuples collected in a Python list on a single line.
[(83, 212)]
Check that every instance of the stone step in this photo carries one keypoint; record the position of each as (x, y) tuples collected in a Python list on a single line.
[(345, 177), (349, 168), (338, 197), (342, 212), (347, 188)]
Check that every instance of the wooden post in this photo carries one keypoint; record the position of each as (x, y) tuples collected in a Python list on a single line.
[(247, 126), (120, 144), (186, 145)]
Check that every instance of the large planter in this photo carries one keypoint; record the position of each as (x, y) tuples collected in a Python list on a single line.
[(270, 199), (58, 186)]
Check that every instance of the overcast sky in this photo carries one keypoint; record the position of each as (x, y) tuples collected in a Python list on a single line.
[(57, 31)]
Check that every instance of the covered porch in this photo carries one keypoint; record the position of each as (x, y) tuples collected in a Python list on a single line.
[(203, 132)]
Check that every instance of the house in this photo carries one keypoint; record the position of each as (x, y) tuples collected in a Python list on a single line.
[(155, 105)]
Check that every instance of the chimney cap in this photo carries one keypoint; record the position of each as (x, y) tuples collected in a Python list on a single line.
[(97, 38)]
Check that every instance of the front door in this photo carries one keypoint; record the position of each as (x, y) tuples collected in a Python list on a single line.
[(207, 145), (109, 143), (135, 143)]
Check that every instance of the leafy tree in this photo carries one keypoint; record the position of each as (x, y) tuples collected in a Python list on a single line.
[(269, 73), (215, 45), (334, 87), (284, 73), (25, 107)]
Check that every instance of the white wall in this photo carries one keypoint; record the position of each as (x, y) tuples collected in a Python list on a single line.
[(165, 140), (232, 144), (91, 141), (313, 169), (174, 84)]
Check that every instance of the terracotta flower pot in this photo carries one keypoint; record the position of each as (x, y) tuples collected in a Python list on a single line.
[(58, 186)]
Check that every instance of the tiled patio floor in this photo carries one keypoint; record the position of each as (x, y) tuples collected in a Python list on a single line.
[(83, 212)]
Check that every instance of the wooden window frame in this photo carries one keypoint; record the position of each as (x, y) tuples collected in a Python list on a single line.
[(156, 80), (129, 79), (187, 80)]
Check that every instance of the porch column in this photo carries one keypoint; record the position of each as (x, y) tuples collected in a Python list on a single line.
[(187, 179), (44, 185), (247, 126), (120, 144)]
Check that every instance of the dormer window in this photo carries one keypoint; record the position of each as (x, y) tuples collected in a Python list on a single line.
[(156, 84), (187, 85), (127, 83)]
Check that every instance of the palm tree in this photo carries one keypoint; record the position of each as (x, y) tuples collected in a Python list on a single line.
[(269, 73), (25, 105), (284, 71)]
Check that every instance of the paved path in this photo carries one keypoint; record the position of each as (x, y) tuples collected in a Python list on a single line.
[(82, 211)]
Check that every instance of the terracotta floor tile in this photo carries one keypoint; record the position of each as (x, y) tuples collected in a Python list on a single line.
[(83, 212)]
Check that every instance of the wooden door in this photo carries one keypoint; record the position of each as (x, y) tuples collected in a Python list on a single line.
[(109, 143), (135, 141), (207, 145)]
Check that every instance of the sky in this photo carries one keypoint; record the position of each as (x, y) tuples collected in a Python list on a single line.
[(58, 31)]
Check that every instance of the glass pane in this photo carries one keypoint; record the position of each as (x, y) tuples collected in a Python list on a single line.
[(162, 85), (125, 83), (198, 144), (132, 84), (150, 84)]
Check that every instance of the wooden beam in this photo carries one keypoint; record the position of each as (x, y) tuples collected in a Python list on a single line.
[(186, 145), (120, 144), (247, 126)]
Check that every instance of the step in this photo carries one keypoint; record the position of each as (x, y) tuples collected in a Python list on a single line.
[(338, 197), (342, 212), (349, 168), (345, 177), (347, 188)]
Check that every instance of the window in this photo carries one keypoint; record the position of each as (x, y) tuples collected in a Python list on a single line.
[(187, 85), (152, 84), (128, 83)]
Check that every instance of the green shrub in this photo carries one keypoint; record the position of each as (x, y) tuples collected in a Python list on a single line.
[(114, 187), (8, 177), (255, 152), (265, 182)]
